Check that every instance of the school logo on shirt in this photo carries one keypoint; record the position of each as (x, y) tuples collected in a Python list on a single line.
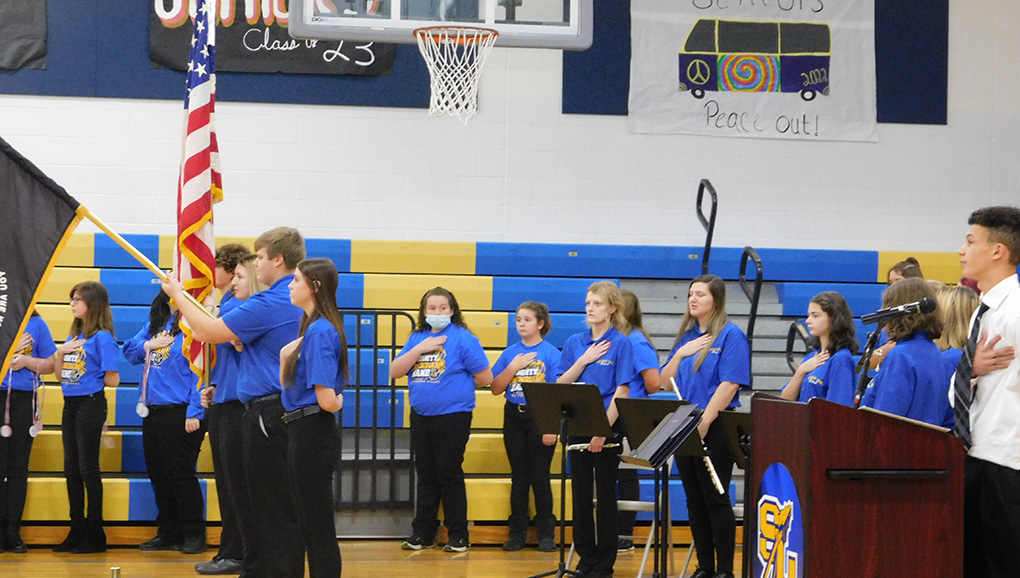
[(74, 366), (430, 366), (814, 379), (780, 551), (27, 350), (158, 356), (605, 362), (533, 373)]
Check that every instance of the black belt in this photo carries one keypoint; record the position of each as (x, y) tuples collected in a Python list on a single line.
[(300, 413), (167, 406), (260, 401), (520, 407)]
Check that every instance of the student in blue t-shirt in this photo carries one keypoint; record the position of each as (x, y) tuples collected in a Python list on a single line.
[(646, 382), (172, 432), (530, 360), (313, 372), (911, 381), (956, 305), (263, 324), (87, 363), (224, 414), (601, 356), (828, 370), (710, 361), (32, 359), (444, 362)]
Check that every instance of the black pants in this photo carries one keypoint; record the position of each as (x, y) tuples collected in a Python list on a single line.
[(591, 473), (313, 451), (713, 525), (991, 520), (14, 452), (438, 443), (529, 468), (224, 421), (275, 549), (170, 458), (81, 430), (629, 488)]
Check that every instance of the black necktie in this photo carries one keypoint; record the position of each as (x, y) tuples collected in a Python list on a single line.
[(961, 382)]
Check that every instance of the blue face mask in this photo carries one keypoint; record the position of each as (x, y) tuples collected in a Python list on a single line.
[(437, 322)]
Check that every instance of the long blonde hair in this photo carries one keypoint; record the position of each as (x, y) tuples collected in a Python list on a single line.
[(956, 305), (716, 322), (609, 292), (632, 312)]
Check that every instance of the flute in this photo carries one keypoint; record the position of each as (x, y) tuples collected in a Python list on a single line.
[(708, 462), (583, 447)]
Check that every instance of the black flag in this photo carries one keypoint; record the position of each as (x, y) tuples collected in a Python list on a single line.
[(36, 220)]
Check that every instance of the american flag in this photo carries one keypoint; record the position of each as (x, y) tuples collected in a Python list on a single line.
[(199, 184)]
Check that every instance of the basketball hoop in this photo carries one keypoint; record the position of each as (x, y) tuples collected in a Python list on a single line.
[(454, 56)]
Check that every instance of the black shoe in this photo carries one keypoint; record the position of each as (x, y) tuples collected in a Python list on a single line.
[(160, 543), (547, 544), (701, 573), (219, 566), (582, 571), (723, 575), (515, 543), (416, 542), (624, 545), (13, 542), (94, 540), (194, 544), (457, 545), (76, 535)]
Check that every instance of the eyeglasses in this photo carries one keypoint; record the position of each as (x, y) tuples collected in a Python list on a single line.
[(75, 300)]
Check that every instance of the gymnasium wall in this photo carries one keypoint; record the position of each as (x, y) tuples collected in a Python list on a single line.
[(524, 172)]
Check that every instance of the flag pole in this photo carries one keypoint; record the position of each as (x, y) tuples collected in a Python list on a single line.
[(137, 254)]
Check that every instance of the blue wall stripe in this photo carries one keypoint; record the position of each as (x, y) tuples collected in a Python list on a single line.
[(110, 254), (130, 286), (862, 298), (339, 250), (592, 261), (563, 326), (350, 292), (558, 294)]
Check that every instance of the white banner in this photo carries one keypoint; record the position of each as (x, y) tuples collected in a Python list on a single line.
[(788, 69)]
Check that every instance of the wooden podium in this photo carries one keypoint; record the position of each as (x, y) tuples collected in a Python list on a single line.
[(879, 496)]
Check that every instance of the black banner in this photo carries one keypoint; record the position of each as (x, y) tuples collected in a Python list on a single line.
[(23, 34), (259, 42), (37, 218)]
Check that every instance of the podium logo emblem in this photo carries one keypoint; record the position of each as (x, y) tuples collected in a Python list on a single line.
[(780, 540)]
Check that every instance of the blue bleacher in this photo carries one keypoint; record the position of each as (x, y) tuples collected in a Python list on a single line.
[(563, 326), (861, 297), (363, 398), (339, 250), (108, 253), (558, 294)]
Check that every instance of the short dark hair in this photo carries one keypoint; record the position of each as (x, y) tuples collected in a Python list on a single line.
[(909, 291), (1003, 224), (229, 255), (541, 312), (907, 268)]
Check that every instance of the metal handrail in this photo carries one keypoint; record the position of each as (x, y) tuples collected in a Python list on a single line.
[(707, 223), (753, 295), (797, 329), (367, 468)]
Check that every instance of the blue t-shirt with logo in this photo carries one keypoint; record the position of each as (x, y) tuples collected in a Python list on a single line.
[(318, 363), (612, 370), (170, 379), (42, 347), (264, 323), (83, 370), (645, 357), (911, 382), (728, 359), (228, 359), (442, 381), (540, 370), (834, 380)]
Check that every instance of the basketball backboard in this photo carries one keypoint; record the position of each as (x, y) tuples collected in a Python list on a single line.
[(561, 24)]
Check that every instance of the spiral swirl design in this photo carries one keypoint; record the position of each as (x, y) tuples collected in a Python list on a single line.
[(749, 73)]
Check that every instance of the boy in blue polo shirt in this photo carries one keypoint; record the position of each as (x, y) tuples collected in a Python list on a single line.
[(264, 324)]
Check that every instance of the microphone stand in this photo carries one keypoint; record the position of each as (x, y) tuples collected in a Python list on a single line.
[(864, 364)]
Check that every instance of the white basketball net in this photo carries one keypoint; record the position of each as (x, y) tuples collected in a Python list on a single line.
[(455, 57)]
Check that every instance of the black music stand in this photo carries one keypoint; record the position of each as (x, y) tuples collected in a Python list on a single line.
[(738, 431), (640, 417), (566, 409)]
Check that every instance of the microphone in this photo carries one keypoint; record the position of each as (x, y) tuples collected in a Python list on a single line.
[(926, 305)]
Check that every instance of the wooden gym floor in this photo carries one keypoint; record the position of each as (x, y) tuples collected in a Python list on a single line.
[(362, 558)]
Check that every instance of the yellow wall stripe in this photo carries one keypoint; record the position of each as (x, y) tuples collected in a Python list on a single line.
[(942, 266), (405, 291), (427, 257)]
